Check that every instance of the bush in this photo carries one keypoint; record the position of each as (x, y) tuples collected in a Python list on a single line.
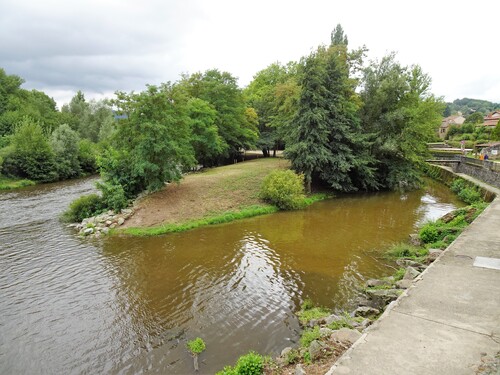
[(469, 195), (285, 189), (400, 273), (87, 156), (309, 312), (196, 346), (30, 154), (457, 185), (113, 196), (248, 364), (84, 207), (429, 233), (64, 142)]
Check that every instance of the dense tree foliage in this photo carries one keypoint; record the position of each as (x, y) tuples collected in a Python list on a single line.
[(29, 155), (65, 144), (220, 90), (495, 135), (43, 144), (475, 118), (399, 110), (152, 145), (327, 143), (207, 144), (273, 93), (17, 103)]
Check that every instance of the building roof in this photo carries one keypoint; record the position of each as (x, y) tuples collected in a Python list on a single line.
[(492, 115), (492, 122), (453, 120)]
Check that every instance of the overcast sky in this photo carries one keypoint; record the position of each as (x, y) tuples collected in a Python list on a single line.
[(100, 46)]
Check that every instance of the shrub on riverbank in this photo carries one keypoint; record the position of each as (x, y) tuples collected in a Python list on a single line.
[(248, 364), (467, 194), (83, 207), (442, 232), (284, 189)]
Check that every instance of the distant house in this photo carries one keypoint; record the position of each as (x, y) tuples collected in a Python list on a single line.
[(491, 119), (456, 120)]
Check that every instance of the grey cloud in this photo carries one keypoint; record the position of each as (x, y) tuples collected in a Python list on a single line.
[(92, 45)]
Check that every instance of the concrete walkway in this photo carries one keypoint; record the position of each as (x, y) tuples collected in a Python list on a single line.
[(448, 322)]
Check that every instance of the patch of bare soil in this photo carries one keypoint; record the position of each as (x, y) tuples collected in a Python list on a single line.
[(320, 366), (203, 194)]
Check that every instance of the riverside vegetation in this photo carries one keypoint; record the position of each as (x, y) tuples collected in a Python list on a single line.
[(213, 196), (344, 124)]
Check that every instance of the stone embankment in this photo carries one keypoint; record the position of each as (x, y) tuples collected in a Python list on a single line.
[(99, 225), (447, 322), (338, 332)]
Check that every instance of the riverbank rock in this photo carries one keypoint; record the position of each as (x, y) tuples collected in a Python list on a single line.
[(299, 370), (315, 349), (101, 224), (382, 297), (403, 262), (415, 240), (448, 217), (433, 255), (404, 284), (324, 331), (285, 351), (410, 273), (366, 311), (332, 318), (345, 335), (377, 282)]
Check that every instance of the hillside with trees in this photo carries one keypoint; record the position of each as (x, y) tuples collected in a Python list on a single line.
[(469, 106)]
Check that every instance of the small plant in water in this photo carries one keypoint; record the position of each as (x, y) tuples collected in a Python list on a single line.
[(196, 346)]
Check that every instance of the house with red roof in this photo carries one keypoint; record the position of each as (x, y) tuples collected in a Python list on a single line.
[(491, 119)]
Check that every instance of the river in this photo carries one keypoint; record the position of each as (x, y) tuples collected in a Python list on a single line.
[(124, 305)]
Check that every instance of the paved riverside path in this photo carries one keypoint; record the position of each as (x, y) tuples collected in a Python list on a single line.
[(448, 322)]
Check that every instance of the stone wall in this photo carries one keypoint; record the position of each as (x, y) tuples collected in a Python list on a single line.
[(447, 176), (486, 171)]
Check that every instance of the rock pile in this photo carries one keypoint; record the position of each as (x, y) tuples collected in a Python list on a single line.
[(99, 225)]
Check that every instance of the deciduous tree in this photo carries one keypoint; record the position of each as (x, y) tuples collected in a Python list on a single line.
[(400, 111)]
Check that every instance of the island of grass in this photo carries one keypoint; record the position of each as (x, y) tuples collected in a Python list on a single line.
[(212, 196)]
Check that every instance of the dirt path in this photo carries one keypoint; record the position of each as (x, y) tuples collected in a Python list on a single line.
[(205, 194)]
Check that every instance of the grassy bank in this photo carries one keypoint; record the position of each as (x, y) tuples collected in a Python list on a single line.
[(192, 224), (213, 196), (11, 183), (225, 217)]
